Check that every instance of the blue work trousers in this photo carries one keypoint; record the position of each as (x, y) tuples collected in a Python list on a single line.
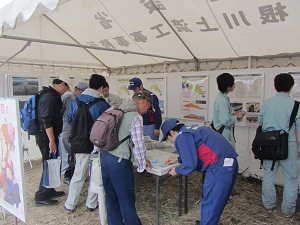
[(118, 183), (217, 187)]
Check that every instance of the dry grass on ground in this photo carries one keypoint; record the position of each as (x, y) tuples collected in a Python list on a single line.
[(243, 210)]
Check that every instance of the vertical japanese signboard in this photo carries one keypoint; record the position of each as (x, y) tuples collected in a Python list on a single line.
[(12, 183)]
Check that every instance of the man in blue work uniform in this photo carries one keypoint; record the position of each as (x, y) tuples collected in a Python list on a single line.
[(152, 119), (204, 150)]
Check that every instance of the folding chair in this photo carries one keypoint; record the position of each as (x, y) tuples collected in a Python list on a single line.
[(25, 149)]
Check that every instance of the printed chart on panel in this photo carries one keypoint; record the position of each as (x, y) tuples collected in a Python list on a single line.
[(194, 97), (247, 95), (158, 87), (295, 92), (122, 87), (12, 183)]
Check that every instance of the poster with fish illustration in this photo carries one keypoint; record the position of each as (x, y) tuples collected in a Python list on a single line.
[(194, 98), (158, 87)]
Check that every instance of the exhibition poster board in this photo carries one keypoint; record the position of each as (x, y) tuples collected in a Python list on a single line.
[(295, 92), (247, 95), (157, 85), (12, 181), (194, 97), (122, 87)]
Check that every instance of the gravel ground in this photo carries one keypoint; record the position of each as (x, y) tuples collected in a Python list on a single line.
[(242, 210)]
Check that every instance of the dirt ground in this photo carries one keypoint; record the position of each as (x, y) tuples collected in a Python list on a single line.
[(244, 209)]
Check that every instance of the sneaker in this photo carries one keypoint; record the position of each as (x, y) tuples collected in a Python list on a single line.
[(234, 194), (270, 210), (67, 180), (46, 202), (288, 215), (68, 210), (57, 194), (91, 209), (197, 222)]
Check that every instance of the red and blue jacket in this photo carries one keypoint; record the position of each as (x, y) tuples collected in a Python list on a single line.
[(201, 148)]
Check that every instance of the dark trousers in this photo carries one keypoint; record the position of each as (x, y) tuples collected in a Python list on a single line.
[(118, 183), (43, 142)]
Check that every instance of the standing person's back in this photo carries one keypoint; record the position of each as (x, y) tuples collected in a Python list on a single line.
[(117, 167), (50, 122), (275, 114), (82, 156), (68, 158)]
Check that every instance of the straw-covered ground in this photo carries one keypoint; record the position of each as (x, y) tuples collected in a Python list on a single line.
[(244, 209)]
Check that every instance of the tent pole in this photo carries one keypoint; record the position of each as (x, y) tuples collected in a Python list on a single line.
[(249, 62), (84, 46), (22, 49)]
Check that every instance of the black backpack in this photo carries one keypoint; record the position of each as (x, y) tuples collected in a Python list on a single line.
[(273, 145), (81, 127)]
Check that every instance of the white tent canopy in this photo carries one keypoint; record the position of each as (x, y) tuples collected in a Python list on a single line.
[(115, 33)]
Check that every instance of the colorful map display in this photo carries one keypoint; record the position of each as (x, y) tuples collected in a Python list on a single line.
[(158, 87), (158, 159), (194, 98)]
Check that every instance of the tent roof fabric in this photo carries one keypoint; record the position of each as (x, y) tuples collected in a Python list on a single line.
[(128, 33)]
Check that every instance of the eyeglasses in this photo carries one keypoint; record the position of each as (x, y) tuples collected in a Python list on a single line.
[(141, 95)]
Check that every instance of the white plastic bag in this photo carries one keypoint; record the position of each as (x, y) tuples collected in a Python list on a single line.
[(96, 186), (95, 175), (51, 173)]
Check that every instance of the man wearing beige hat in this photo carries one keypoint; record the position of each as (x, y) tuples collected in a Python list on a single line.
[(67, 157)]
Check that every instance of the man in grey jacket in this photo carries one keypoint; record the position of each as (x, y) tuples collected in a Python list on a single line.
[(67, 157)]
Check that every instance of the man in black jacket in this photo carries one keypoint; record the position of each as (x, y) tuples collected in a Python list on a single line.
[(50, 120)]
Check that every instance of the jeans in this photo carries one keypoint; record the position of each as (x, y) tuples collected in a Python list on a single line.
[(118, 183)]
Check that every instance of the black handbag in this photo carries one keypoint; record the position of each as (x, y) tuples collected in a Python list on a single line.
[(273, 145)]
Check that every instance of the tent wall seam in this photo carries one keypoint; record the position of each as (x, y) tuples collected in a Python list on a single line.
[(55, 24), (220, 27), (172, 28)]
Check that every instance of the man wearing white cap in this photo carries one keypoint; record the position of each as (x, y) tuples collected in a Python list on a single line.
[(68, 158)]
